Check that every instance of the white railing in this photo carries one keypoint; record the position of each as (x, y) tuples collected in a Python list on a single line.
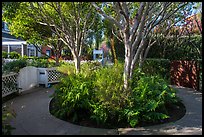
[(48, 75), (9, 84)]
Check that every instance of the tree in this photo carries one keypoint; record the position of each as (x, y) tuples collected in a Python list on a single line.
[(24, 26), (136, 31), (69, 21), (109, 28), (97, 31)]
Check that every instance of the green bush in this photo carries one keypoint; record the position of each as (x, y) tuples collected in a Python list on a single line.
[(110, 96), (67, 68), (159, 67), (174, 49), (14, 55), (86, 67), (14, 66), (43, 57), (4, 54), (100, 94), (151, 94), (7, 115), (72, 94), (24, 57), (43, 63)]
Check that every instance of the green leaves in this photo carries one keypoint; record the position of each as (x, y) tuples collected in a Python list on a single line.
[(101, 94), (7, 115), (74, 92), (14, 66)]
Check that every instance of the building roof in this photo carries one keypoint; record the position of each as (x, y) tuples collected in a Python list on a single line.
[(6, 35)]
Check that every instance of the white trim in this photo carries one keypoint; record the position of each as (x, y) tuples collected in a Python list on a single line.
[(22, 50), (13, 42), (6, 31)]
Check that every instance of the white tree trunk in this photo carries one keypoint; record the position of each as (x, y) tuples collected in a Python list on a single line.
[(149, 15), (127, 65), (77, 63)]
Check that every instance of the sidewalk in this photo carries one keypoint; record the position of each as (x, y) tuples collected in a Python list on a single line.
[(33, 117)]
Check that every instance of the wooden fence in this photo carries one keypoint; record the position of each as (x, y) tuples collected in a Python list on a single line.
[(186, 74)]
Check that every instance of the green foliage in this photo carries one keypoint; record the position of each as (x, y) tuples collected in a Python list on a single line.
[(42, 63), (4, 54), (14, 55), (7, 115), (109, 86), (110, 96), (25, 57), (67, 68), (87, 68), (43, 57), (14, 66), (72, 94), (99, 92), (177, 49), (159, 67), (150, 96)]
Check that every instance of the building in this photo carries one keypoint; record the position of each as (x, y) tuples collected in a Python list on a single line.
[(10, 43)]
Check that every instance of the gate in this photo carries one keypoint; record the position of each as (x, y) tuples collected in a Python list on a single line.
[(185, 73), (27, 78)]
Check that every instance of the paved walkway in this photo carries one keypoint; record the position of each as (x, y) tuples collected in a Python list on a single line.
[(33, 117)]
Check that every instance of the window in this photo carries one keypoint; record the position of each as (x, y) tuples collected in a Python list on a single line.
[(48, 52), (32, 52)]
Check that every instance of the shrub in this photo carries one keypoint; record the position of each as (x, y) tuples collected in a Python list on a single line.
[(14, 66), (150, 96), (159, 67), (100, 94), (174, 49), (73, 94), (6, 116), (43, 57), (67, 68), (86, 67), (24, 57), (110, 96), (43, 63), (14, 55), (4, 54)]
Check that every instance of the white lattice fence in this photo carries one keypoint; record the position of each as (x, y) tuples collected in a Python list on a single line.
[(9, 84), (53, 75)]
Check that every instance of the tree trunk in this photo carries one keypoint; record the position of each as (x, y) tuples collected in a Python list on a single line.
[(141, 60), (57, 59), (127, 70), (77, 63), (113, 50)]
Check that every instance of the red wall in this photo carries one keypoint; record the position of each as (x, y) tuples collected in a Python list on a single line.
[(44, 48)]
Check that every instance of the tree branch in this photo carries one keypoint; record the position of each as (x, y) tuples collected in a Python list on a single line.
[(110, 18)]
